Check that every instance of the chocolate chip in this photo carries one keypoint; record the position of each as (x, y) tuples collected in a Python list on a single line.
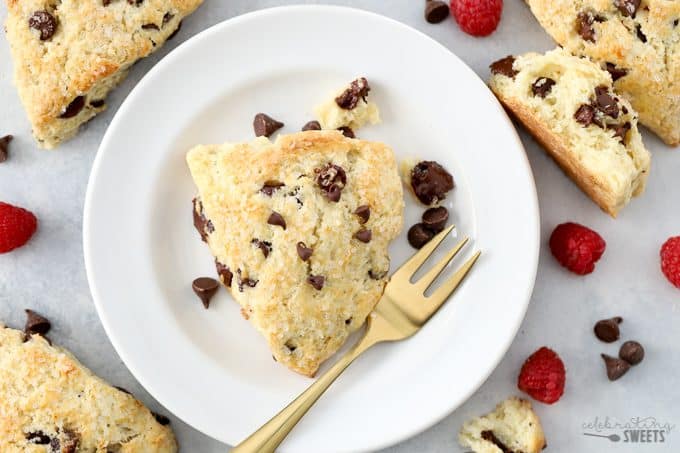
[(640, 34), (122, 390), (44, 22), (4, 147), (504, 67), (73, 108), (55, 445), (174, 33), (606, 102), (70, 441), (244, 281), (489, 436), (276, 219), (37, 438), (161, 419), (419, 235), (363, 212), (430, 182), (303, 251), (349, 98), (135, 2), (334, 193), (167, 17), (615, 72), (348, 321), (205, 288), (542, 86), (435, 218), (584, 26), (364, 235), (97, 103), (291, 347), (615, 367), (150, 27), (317, 281), (201, 223), (627, 7), (621, 131), (224, 273), (36, 324), (347, 131), (331, 179), (312, 126), (676, 22), (265, 125), (585, 115), (270, 187), (264, 246), (632, 352), (436, 11), (607, 330), (377, 275), (106, 2)]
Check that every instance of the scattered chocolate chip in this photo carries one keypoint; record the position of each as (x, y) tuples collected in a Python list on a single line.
[(276, 219), (615, 367), (36, 324), (4, 147), (627, 7), (584, 26), (542, 86), (377, 275), (270, 187), (640, 34), (607, 330), (174, 33), (347, 132), (224, 273), (201, 223), (167, 17), (419, 235), (606, 102), (331, 179), (150, 27), (97, 103), (161, 419), (265, 125), (349, 98), (430, 182), (435, 218), (303, 251), (615, 72), (363, 212), (312, 126), (244, 281), (38, 438), (436, 11), (621, 131), (73, 108), (585, 115), (45, 23), (364, 235), (122, 390), (632, 352), (317, 281), (489, 436), (264, 246), (205, 288), (504, 67)]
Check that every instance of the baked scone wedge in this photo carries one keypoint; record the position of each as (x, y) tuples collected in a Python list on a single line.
[(637, 40), (511, 427), (49, 402), (299, 229), (567, 103), (68, 54)]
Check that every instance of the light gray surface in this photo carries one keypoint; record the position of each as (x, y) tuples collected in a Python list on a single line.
[(49, 276)]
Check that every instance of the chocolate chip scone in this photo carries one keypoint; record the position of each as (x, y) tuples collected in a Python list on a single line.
[(637, 41), (569, 105), (68, 54), (299, 229), (49, 402), (511, 427)]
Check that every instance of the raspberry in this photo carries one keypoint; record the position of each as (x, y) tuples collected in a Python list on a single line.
[(670, 260), (477, 17), (576, 247), (543, 376), (17, 225)]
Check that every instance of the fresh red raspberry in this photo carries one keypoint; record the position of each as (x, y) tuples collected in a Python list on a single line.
[(17, 225), (670, 260), (477, 17), (576, 247), (543, 376)]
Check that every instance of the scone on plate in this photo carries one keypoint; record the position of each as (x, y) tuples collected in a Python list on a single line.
[(299, 229), (349, 107), (68, 54), (637, 41), (569, 105), (511, 427), (50, 402)]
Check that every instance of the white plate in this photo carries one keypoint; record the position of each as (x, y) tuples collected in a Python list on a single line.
[(210, 367)]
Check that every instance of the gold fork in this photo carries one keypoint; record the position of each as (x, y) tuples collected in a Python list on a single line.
[(400, 313)]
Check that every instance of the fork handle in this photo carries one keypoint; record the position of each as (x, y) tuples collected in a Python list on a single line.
[(272, 433)]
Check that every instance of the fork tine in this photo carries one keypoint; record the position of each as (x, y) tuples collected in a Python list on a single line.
[(411, 266), (449, 286), (427, 279)]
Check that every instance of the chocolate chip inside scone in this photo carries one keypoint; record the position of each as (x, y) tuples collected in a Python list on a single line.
[(45, 23), (73, 108), (264, 246), (419, 235), (542, 86), (377, 274), (430, 182), (347, 131), (270, 187), (66, 442), (357, 90), (97, 103), (640, 34), (167, 17), (276, 219), (585, 114), (435, 218), (317, 281), (584, 25), (36, 324), (615, 71), (205, 288), (4, 147), (627, 7), (504, 66), (363, 235), (161, 419), (604, 105), (605, 102), (151, 26), (224, 273), (265, 125), (331, 179), (303, 251), (363, 212), (312, 126), (243, 282), (489, 436), (201, 223), (38, 438)]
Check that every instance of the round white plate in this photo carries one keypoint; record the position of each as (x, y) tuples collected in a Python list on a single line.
[(210, 367)]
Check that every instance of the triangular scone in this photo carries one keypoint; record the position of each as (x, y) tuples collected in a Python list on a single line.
[(300, 229), (51, 402), (68, 54), (639, 42), (569, 105)]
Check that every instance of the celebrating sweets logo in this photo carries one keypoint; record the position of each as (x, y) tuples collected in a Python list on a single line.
[(634, 430)]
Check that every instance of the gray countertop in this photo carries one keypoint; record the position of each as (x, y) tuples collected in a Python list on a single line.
[(49, 274)]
